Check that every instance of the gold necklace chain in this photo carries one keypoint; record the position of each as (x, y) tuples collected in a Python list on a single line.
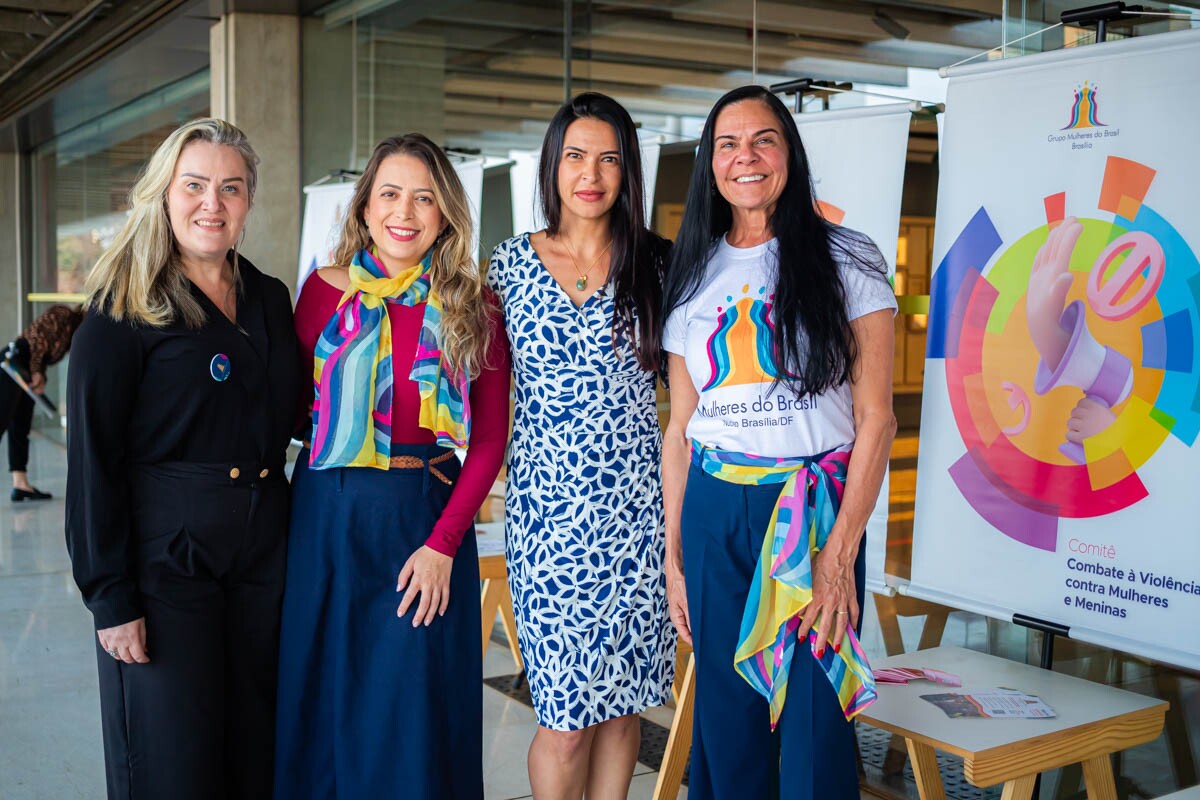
[(582, 283)]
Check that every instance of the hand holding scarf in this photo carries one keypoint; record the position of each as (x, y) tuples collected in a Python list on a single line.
[(782, 584)]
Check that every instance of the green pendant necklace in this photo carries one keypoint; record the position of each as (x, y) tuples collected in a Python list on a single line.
[(582, 282)]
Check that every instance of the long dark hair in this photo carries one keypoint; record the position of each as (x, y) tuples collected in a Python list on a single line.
[(813, 343), (638, 255)]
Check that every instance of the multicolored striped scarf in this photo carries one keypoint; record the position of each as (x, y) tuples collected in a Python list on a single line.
[(782, 585), (352, 370)]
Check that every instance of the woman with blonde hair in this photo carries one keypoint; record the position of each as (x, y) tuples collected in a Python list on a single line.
[(181, 392), (380, 679)]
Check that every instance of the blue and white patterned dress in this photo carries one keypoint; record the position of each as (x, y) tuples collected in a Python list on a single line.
[(583, 505)]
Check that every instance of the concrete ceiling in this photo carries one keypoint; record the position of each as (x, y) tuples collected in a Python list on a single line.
[(503, 61), (46, 43), (25, 24)]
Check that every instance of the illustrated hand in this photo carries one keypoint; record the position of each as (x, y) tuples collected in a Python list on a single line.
[(1049, 280), (833, 592), (128, 640), (427, 573), (37, 382), (677, 604), (1088, 418)]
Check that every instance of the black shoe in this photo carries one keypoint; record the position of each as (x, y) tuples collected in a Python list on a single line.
[(20, 495)]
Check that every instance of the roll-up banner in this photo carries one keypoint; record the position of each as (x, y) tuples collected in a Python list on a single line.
[(650, 153), (325, 207), (470, 172), (522, 185), (857, 161), (1058, 460)]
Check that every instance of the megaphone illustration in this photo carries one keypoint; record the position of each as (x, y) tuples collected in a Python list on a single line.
[(1104, 375)]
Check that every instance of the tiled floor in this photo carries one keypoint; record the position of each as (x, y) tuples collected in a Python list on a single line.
[(49, 710)]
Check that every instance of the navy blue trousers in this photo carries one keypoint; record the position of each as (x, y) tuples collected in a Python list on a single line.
[(368, 705), (735, 755)]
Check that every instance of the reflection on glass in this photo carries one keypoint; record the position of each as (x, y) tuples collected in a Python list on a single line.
[(81, 183), (83, 176)]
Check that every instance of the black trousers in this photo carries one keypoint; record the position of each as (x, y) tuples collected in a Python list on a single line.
[(198, 721), (16, 416)]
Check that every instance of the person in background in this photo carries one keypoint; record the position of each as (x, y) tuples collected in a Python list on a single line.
[(779, 331), (181, 397), (380, 674), (43, 344), (583, 503)]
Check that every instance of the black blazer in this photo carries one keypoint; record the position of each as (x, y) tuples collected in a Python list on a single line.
[(139, 395)]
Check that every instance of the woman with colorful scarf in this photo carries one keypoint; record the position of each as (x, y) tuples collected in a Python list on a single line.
[(380, 675), (779, 335)]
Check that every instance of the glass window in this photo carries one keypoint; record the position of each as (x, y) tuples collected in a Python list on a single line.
[(83, 176), (80, 189)]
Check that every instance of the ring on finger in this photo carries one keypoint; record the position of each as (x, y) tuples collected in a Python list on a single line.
[(842, 612), (112, 651)]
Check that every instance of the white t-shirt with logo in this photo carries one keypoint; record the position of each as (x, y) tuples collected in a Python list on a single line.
[(724, 334)]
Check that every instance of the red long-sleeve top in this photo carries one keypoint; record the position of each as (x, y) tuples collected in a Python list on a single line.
[(489, 400)]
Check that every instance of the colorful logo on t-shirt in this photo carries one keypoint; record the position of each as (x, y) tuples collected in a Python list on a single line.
[(740, 349)]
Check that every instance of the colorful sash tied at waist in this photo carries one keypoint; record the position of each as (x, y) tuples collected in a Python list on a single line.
[(782, 585), (352, 370)]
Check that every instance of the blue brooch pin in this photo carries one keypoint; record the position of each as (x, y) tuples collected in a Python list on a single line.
[(219, 367)]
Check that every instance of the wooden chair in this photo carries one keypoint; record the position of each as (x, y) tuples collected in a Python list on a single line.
[(679, 741), (1101, 665), (494, 596)]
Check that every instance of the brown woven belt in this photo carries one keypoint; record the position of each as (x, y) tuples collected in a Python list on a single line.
[(416, 462)]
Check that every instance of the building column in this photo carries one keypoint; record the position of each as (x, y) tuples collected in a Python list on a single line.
[(12, 291), (256, 85)]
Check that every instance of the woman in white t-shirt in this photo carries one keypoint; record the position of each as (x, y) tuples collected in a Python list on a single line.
[(779, 335)]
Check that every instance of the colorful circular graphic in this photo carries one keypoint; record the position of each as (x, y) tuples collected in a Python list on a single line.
[(219, 367), (1069, 356)]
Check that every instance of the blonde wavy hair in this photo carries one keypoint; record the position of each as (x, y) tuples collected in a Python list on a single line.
[(139, 278), (453, 273)]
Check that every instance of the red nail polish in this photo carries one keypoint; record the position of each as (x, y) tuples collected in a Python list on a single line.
[(837, 648), (821, 653)]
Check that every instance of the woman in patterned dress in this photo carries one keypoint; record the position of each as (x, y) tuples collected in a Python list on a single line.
[(583, 505)]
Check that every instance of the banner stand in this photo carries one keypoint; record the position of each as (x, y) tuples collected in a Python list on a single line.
[(1006, 515), (857, 158)]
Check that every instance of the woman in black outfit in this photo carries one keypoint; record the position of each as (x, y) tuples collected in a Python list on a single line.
[(181, 398), (42, 344)]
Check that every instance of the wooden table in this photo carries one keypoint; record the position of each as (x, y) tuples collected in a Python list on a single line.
[(1183, 794), (1094, 721), (494, 596)]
